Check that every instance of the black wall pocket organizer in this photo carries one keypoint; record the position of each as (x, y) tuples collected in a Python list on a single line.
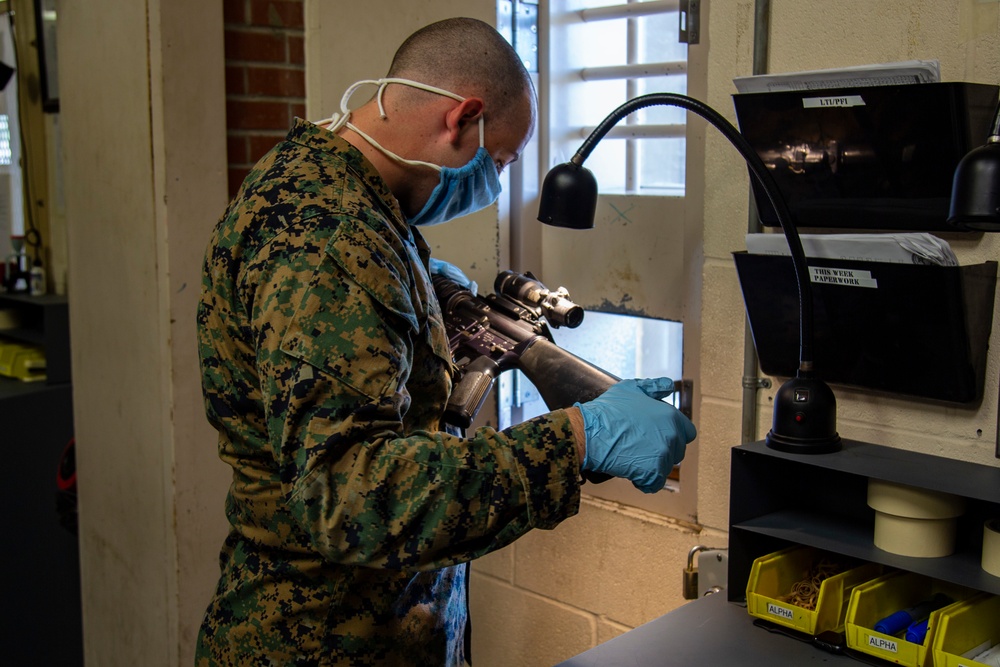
[(877, 157), (915, 330)]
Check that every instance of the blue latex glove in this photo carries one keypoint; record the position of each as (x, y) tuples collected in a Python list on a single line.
[(439, 267), (633, 434)]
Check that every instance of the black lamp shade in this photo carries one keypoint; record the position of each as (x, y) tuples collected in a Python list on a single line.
[(975, 192), (569, 197), (805, 418)]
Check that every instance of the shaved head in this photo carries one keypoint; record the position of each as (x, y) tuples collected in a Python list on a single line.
[(469, 58)]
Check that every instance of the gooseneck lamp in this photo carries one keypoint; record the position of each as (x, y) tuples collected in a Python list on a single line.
[(805, 409), (975, 190)]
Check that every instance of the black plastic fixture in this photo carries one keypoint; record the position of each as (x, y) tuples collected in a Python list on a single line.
[(805, 409), (975, 191)]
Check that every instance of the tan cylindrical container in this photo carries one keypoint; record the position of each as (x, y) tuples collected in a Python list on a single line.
[(914, 522), (991, 547)]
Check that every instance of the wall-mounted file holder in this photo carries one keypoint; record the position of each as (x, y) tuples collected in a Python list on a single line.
[(905, 329), (880, 157)]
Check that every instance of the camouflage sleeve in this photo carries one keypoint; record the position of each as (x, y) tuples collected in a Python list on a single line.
[(366, 491)]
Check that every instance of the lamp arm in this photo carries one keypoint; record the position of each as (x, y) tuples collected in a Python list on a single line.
[(763, 177)]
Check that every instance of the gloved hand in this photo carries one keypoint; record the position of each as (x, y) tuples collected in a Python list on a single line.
[(632, 434), (439, 267)]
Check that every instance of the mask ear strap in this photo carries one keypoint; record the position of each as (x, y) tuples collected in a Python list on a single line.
[(416, 84), (338, 120), (394, 156)]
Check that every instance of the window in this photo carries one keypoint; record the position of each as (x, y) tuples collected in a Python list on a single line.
[(11, 207), (625, 346), (592, 56), (602, 56)]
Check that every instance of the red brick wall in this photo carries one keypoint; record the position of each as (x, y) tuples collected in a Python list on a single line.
[(265, 77)]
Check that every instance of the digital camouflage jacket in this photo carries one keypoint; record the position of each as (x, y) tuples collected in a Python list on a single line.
[(325, 370)]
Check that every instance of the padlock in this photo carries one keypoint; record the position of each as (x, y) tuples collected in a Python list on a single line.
[(690, 586)]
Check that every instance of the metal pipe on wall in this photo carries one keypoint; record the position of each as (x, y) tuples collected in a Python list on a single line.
[(752, 382)]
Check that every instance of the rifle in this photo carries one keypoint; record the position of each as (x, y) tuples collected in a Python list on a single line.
[(510, 329)]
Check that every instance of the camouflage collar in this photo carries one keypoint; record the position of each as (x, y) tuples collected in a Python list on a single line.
[(317, 138)]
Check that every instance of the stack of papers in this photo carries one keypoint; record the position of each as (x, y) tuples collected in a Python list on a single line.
[(911, 248), (888, 74)]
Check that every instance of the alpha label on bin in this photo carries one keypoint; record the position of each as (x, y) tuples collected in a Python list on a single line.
[(883, 644), (846, 277), (780, 612)]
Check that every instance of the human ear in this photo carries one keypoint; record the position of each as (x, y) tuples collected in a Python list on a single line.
[(460, 116)]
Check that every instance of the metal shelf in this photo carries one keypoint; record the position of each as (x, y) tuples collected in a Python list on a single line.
[(44, 322), (852, 539), (780, 499)]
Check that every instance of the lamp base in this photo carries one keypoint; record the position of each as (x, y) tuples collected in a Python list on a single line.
[(805, 418)]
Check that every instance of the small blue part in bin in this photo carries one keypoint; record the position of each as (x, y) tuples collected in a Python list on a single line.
[(917, 632), (898, 621), (894, 623)]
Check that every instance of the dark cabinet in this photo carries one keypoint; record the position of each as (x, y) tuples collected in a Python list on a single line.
[(40, 619)]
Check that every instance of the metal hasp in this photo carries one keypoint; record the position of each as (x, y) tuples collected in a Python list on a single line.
[(716, 566), (690, 21)]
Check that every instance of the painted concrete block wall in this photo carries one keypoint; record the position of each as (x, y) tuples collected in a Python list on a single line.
[(965, 37)]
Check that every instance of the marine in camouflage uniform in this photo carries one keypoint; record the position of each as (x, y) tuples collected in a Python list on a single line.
[(326, 370)]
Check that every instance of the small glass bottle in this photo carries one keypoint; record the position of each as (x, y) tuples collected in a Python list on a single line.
[(37, 279)]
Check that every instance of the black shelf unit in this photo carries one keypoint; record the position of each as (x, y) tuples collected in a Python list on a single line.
[(44, 322), (779, 499), (41, 567)]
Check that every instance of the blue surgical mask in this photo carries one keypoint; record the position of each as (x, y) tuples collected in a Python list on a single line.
[(460, 191)]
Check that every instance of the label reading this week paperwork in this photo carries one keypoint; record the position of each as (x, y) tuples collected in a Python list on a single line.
[(846, 277), (882, 643), (780, 612)]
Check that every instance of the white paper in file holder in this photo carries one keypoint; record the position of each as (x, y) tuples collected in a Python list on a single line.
[(909, 248)]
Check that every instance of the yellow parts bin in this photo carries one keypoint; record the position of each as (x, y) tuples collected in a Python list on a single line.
[(876, 600), (22, 362), (773, 577), (967, 629)]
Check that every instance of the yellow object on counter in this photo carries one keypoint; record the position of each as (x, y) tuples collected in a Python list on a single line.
[(22, 362)]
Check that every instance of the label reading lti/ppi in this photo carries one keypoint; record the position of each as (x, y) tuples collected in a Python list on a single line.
[(780, 612), (845, 277), (826, 102), (882, 643)]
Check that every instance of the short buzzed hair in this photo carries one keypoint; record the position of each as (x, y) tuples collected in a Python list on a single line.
[(468, 57)]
